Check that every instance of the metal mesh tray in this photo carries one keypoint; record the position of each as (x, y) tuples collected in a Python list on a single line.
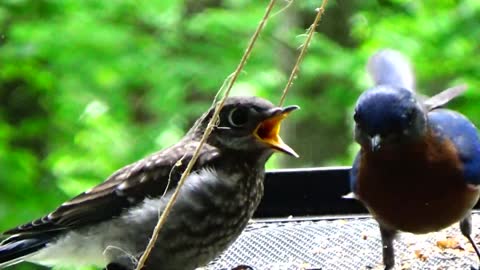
[(337, 234), (343, 243)]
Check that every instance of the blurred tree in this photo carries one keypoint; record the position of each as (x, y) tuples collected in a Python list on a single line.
[(89, 86)]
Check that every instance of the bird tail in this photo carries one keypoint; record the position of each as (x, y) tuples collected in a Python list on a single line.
[(390, 67), (13, 251)]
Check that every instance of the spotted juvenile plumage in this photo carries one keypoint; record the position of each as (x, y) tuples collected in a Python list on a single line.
[(111, 223), (418, 169)]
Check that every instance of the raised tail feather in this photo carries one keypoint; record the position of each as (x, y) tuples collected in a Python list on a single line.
[(390, 67)]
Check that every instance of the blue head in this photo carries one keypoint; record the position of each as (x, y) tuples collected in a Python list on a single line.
[(387, 116)]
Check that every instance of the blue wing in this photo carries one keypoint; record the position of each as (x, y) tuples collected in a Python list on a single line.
[(462, 133), (15, 251)]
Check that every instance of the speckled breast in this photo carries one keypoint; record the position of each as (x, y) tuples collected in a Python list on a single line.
[(219, 213)]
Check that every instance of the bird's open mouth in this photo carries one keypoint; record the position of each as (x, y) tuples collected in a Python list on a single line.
[(268, 131)]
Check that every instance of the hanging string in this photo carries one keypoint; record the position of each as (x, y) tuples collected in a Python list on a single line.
[(306, 44)]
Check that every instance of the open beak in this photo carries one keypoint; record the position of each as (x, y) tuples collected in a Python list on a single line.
[(268, 130)]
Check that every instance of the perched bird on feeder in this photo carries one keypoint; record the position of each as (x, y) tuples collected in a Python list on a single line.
[(418, 169), (110, 224)]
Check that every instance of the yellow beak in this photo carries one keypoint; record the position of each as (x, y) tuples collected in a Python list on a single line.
[(268, 131)]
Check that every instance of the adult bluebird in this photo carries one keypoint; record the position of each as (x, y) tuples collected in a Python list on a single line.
[(418, 169)]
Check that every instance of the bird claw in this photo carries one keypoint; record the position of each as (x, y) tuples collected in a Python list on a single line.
[(473, 268), (115, 266), (389, 267), (243, 267)]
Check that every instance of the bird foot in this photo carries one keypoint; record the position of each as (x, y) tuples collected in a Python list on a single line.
[(243, 267), (115, 266)]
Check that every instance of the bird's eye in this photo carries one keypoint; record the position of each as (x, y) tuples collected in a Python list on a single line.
[(238, 117), (356, 117)]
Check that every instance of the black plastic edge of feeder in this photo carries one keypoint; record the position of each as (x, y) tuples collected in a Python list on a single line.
[(308, 192)]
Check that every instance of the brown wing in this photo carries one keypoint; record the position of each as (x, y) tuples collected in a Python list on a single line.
[(127, 187)]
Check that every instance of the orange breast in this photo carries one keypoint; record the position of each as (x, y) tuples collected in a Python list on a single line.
[(418, 188)]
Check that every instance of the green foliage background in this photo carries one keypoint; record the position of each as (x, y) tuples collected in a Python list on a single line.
[(89, 86)]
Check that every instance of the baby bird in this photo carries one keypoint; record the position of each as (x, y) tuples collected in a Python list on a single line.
[(111, 224)]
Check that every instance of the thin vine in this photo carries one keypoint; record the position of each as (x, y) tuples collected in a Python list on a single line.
[(305, 45)]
